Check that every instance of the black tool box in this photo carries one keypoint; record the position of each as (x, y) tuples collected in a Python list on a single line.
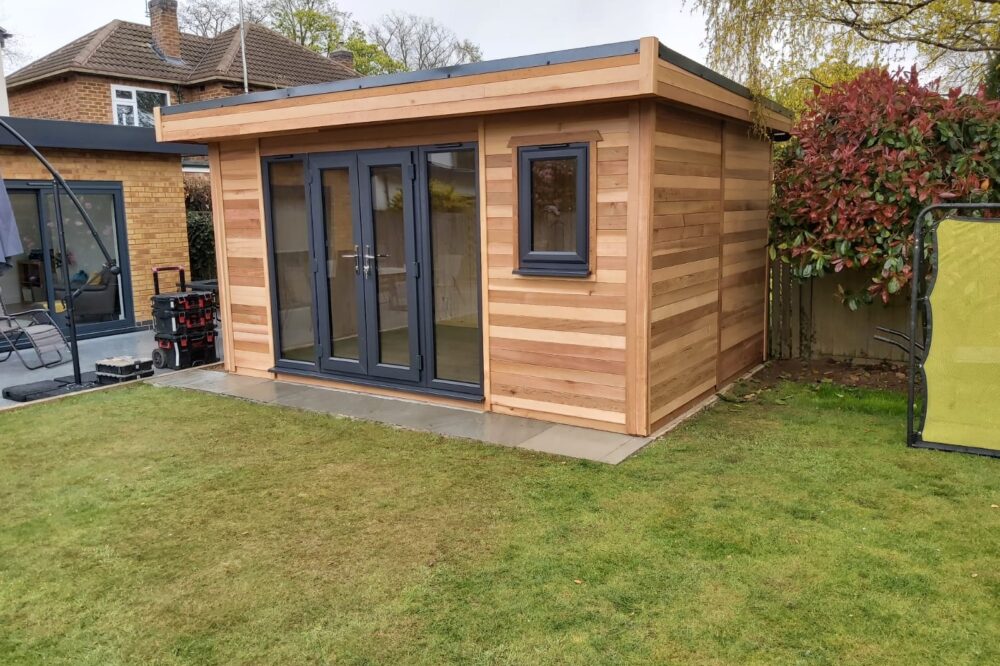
[(181, 322), (123, 369), (184, 351), (184, 324)]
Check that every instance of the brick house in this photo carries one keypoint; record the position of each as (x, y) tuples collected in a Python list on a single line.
[(118, 73), (91, 107)]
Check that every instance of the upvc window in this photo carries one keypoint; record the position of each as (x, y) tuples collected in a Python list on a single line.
[(134, 106), (554, 210)]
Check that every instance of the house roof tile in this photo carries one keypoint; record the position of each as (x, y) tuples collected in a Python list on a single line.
[(126, 50)]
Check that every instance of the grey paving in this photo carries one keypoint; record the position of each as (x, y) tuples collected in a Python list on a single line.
[(497, 429), (13, 373)]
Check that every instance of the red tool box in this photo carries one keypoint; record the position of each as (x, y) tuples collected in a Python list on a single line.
[(184, 324)]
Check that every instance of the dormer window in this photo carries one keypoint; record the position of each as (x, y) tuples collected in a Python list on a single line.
[(134, 106)]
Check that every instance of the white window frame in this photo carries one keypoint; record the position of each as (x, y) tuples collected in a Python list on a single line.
[(115, 102)]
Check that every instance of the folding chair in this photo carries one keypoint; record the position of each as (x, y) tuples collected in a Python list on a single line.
[(40, 330)]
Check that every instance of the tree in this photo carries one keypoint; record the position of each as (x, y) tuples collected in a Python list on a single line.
[(867, 156), (319, 25), (209, 18), (765, 41), (369, 58), (991, 85), (420, 42)]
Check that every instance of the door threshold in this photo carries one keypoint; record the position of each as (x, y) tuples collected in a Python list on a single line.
[(369, 382)]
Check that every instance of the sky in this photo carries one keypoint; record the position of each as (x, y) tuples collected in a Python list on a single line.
[(502, 27)]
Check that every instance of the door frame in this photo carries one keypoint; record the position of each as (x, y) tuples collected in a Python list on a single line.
[(420, 297), (83, 187)]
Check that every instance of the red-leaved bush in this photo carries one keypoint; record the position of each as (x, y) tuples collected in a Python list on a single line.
[(865, 158)]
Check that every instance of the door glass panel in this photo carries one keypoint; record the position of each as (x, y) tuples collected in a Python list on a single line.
[(340, 265), (100, 300), (24, 286), (293, 274), (388, 218), (454, 247)]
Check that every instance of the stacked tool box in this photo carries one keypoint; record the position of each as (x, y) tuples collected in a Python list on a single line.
[(184, 324), (122, 369)]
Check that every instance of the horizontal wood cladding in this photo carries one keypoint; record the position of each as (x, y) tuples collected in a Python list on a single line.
[(243, 243), (557, 346), (687, 223), (747, 187), (682, 87), (567, 83)]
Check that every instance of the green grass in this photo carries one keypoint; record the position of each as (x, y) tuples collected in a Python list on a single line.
[(155, 526)]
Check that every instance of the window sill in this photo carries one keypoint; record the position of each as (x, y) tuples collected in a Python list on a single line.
[(552, 272)]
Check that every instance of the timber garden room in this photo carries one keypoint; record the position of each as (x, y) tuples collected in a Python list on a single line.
[(578, 236)]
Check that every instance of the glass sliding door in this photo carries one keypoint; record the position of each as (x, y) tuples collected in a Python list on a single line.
[(292, 262), (100, 298), (104, 302), (338, 247), (26, 285), (452, 230), (375, 266), (388, 235)]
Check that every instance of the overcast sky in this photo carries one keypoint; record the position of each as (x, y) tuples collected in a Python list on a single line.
[(502, 27)]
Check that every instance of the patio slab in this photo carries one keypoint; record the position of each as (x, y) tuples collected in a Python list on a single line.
[(139, 343), (497, 429)]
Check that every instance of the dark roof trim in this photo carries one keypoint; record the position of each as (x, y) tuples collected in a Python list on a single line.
[(485, 67), (696, 68), (471, 69), (90, 136)]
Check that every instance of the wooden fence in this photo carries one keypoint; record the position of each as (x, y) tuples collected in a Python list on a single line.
[(808, 320)]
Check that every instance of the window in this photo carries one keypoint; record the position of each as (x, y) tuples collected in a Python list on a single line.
[(134, 106), (554, 210)]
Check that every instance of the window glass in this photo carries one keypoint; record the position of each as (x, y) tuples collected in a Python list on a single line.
[(125, 115), (123, 94), (553, 210), (341, 263), (292, 264), (454, 219), (146, 101), (553, 205)]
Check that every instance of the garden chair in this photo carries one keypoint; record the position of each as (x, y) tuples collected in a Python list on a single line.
[(40, 330)]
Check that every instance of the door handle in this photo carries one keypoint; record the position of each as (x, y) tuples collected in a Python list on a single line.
[(356, 257), (369, 257)]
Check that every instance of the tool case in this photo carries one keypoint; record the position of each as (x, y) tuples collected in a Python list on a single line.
[(124, 366), (184, 324), (184, 351)]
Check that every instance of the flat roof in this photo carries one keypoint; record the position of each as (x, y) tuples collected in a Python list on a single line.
[(472, 69), (70, 135)]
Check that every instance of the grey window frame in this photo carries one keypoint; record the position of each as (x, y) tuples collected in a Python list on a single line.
[(554, 264)]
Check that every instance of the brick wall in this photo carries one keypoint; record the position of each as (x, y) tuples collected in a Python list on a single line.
[(153, 189), (85, 98)]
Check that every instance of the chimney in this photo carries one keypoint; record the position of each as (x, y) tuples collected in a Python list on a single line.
[(4, 105), (166, 33), (343, 56)]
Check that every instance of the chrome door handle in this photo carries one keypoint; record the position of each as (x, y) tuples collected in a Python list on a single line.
[(356, 257), (369, 257)]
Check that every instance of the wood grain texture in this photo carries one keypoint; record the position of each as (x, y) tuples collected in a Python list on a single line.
[(558, 346), (243, 279), (687, 223), (743, 311)]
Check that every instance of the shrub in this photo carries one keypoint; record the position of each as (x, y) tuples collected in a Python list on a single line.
[(865, 158), (201, 235)]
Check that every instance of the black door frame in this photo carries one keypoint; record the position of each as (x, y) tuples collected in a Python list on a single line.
[(419, 378), (83, 187)]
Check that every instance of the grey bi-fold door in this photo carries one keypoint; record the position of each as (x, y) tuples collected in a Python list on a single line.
[(367, 265), (392, 241)]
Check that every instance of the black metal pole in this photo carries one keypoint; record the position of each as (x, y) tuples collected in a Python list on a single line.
[(70, 296)]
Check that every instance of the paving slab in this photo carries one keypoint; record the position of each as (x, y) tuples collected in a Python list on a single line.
[(497, 429)]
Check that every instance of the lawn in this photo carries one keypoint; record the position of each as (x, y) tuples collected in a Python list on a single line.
[(155, 526)]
